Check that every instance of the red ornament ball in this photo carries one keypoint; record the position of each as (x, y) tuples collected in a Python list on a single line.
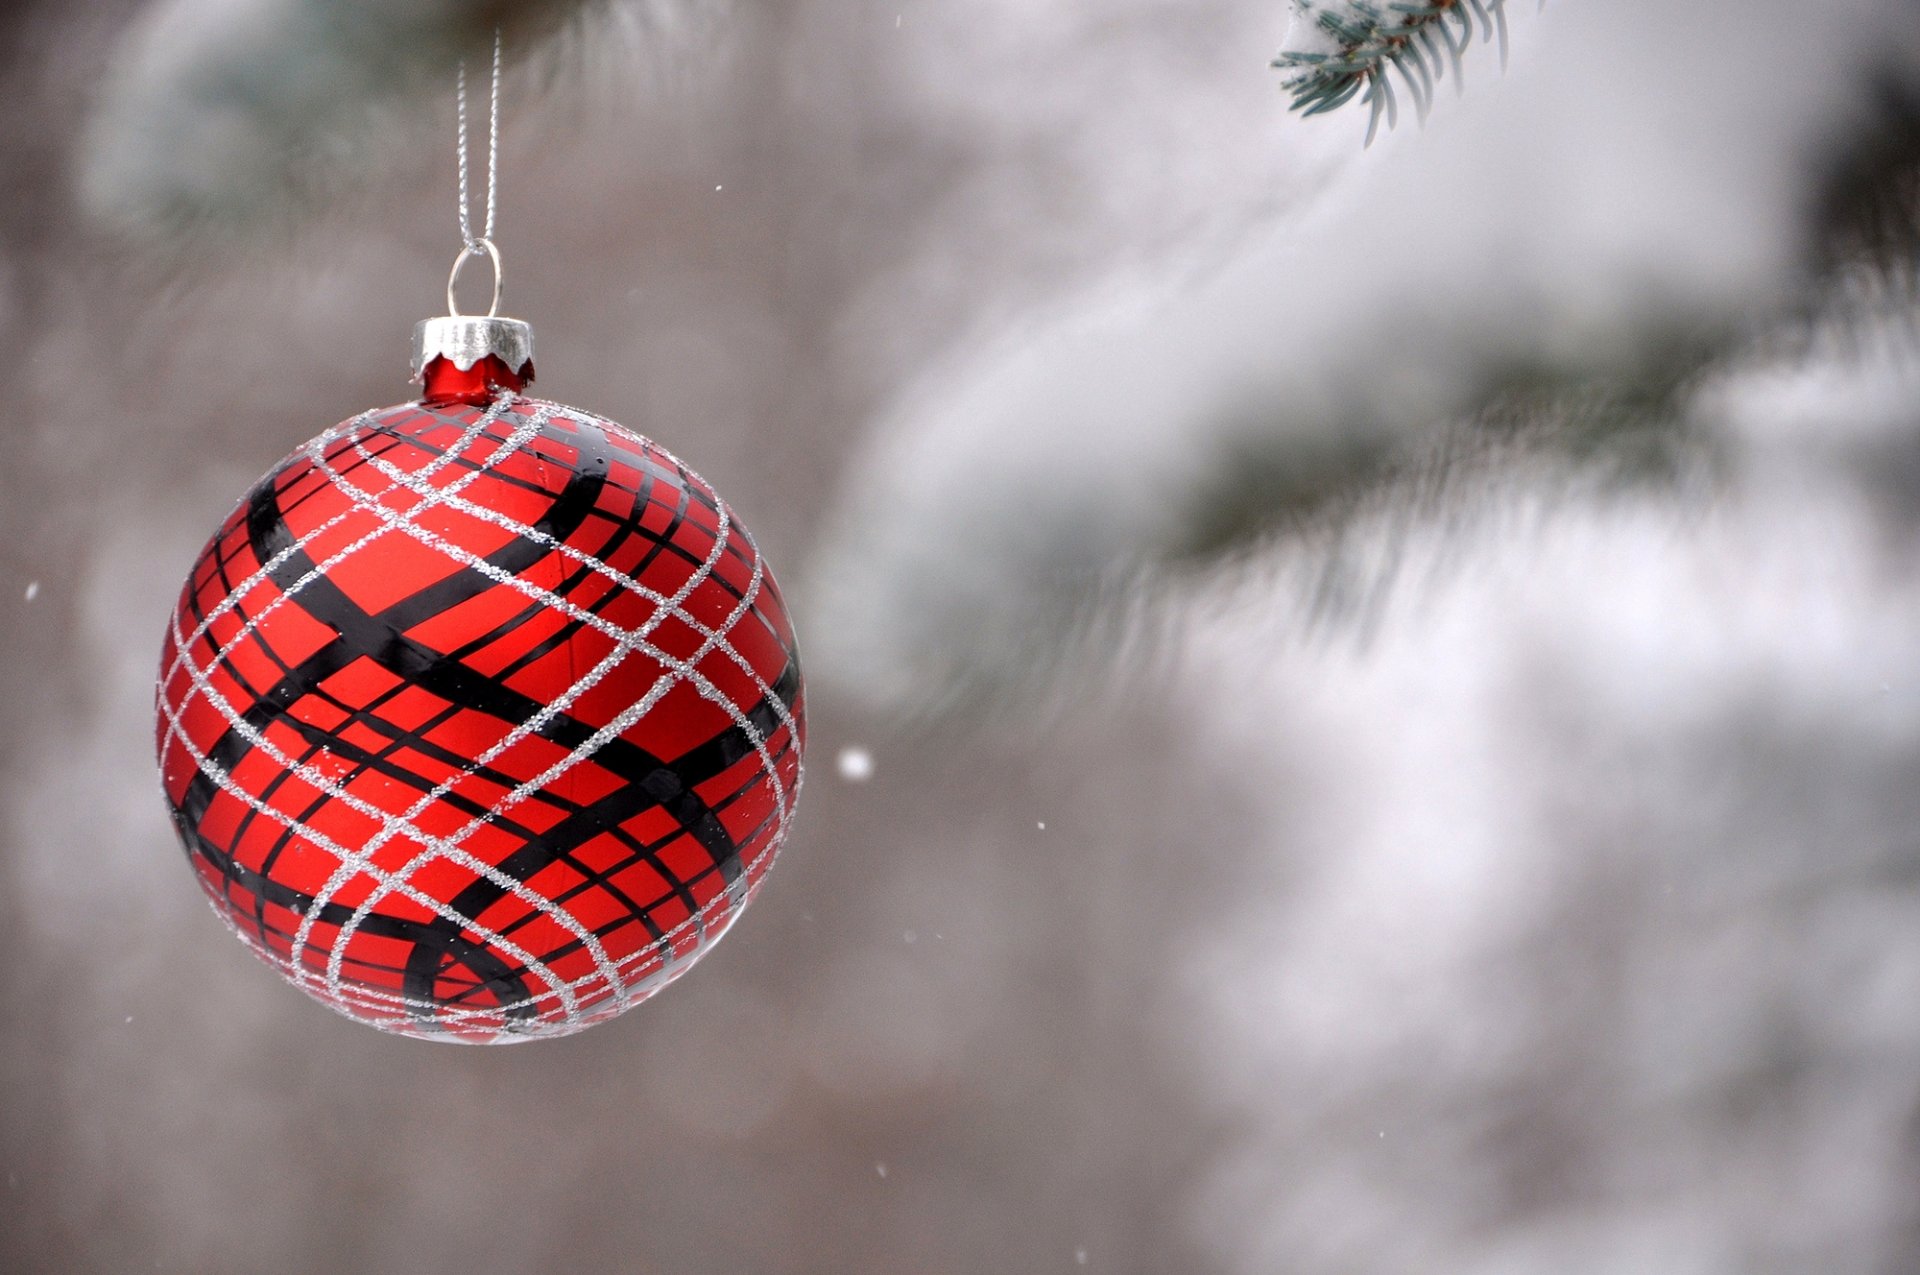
[(480, 717)]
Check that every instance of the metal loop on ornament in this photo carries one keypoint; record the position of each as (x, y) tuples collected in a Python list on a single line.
[(475, 249)]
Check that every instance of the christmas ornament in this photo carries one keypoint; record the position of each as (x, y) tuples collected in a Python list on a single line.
[(480, 716)]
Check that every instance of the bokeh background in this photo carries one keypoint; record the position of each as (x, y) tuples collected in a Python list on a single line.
[(1391, 678)]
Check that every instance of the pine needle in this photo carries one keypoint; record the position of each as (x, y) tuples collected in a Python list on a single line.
[(1421, 41)]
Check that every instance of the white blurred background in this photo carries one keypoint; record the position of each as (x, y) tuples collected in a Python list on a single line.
[(1391, 678)]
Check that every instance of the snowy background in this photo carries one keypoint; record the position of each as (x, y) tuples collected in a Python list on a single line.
[(1392, 678)]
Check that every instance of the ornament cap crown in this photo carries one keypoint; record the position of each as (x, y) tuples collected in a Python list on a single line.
[(464, 340)]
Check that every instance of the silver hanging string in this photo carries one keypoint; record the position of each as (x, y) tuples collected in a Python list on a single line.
[(472, 245), (467, 338), (475, 244)]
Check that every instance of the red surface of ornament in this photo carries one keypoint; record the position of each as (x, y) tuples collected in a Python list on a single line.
[(448, 382), (480, 717)]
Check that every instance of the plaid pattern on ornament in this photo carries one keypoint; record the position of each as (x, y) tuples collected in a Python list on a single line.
[(481, 723)]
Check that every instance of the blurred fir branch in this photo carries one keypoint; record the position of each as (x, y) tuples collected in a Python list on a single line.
[(1865, 215), (1349, 48)]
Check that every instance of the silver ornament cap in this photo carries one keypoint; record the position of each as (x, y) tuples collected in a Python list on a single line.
[(464, 339)]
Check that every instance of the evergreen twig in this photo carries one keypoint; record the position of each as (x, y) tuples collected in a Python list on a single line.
[(1372, 42)]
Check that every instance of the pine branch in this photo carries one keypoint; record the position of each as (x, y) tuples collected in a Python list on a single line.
[(1359, 46)]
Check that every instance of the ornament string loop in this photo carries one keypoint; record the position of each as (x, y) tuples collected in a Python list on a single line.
[(473, 245), (482, 245)]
